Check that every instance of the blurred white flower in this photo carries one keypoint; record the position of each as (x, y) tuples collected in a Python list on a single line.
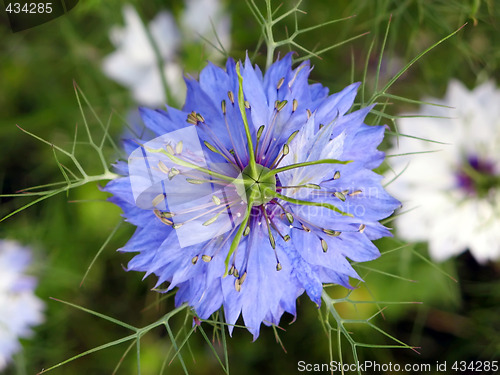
[(134, 63), (20, 309), (205, 20), (453, 194)]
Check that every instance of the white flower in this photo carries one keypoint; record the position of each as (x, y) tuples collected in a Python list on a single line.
[(135, 65), (206, 20), (20, 309), (453, 194)]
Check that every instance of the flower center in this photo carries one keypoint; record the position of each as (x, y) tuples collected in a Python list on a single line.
[(259, 184), (477, 176)]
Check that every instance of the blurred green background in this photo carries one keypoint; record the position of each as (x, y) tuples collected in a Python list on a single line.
[(455, 320)]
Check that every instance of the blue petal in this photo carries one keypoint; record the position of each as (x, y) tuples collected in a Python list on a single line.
[(123, 197), (210, 301), (338, 104), (233, 301), (264, 285), (278, 70), (303, 273), (148, 238), (318, 93), (372, 204), (199, 101), (363, 146), (255, 94), (354, 245), (121, 167), (329, 276), (217, 82), (156, 120)]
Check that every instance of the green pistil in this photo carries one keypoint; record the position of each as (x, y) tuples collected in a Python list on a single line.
[(259, 185), (241, 104)]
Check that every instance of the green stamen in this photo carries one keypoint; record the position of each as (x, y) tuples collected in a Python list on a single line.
[(305, 164), (270, 233), (187, 164), (178, 147), (324, 245)]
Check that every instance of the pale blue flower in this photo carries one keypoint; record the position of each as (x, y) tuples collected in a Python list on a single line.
[(298, 226), (20, 309)]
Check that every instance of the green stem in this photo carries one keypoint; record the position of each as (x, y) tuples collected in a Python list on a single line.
[(271, 44), (50, 193), (309, 203), (159, 63), (407, 66)]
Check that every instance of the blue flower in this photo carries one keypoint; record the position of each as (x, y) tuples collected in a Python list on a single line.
[(20, 309), (259, 189)]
